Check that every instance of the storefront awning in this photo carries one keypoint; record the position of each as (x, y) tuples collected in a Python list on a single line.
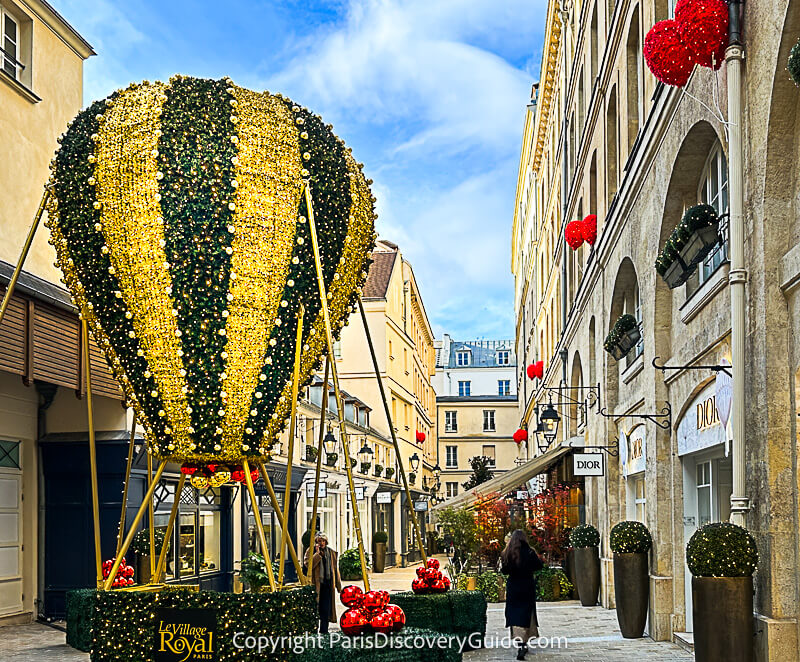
[(507, 481)]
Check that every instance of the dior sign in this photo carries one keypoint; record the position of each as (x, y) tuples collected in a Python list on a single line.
[(588, 464)]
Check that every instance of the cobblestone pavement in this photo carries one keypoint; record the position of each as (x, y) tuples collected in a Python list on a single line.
[(591, 634)]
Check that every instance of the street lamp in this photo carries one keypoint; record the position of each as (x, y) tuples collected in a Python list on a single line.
[(437, 471), (365, 454), (413, 462), (548, 423), (330, 442)]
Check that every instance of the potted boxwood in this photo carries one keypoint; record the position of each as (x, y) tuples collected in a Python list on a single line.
[(311, 453), (585, 540), (389, 473), (412, 477), (350, 564), (722, 558), (140, 545), (379, 539), (378, 470), (631, 542), (331, 458), (623, 337), (365, 467), (689, 244)]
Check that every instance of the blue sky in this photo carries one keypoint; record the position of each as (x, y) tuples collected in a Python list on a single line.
[(430, 94)]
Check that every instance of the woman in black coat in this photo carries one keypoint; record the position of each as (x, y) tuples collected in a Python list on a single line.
[(519, 562)]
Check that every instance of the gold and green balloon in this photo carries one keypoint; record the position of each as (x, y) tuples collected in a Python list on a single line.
[(178, 217)]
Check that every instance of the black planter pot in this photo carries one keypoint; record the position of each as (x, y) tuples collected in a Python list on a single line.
[(723, 619), (569, 571), (632, 593), (379, 560), (587, 574), (678, 273), (629, 340), (701, 242)]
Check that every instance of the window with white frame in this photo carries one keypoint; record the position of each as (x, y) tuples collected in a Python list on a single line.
[(713, 190), (632, 306), (503, 387), (337, 349), (10, 43), (488, 420), (464, 389), (452, 489), (488, 451), (451, 421), (451, 457), (639, 501), (462, 358), (503, 357)]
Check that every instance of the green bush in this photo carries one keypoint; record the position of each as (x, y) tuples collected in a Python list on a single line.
[(80, 607), (552, 585), (331, 458), (488, 583), (253, 571), (378, 470), (721, 549), (389, 472), (396, 650), (124, 622), (630, 537), (452, 612), (584, 535), (380, 536), (311, 453), (141, 542), (623, 325), (350, 564)]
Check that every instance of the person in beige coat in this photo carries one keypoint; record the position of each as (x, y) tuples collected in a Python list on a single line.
[(325, 577)]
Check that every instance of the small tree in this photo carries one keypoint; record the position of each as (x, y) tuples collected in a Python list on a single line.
[(458, 525), (480, 471)]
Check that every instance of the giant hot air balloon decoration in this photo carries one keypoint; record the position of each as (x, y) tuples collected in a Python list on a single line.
[(179, 218)]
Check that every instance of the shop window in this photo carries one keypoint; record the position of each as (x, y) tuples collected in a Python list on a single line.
[(713, 190), (186, 545), (452, 489), (451, 421), (451, 461), (488, 420), (9, 454), (464, 389)]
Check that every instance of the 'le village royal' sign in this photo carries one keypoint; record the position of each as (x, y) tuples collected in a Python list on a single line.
[(186, 635)]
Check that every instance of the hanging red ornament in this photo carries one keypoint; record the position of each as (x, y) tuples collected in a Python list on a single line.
[(237, 474), (420, 437), (535, 370), (353, 622), (589, 229), (520, 435), (667, 57), (351, 596), (573, 235), (189, 469), (398, 617), (703, 27)]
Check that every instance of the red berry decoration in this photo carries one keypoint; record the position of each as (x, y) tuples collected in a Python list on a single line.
[(667, 57), (398, 617), (372, 602), (573, 235), (351, 596), (703, 26), (382, 622), (589, 229), (353, 622), (433, 563), (520, 435), (418, 586)]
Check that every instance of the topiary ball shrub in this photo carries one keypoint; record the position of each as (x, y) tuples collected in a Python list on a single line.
[(721, 549), (630, 537), (350, 564), (794, 63), (584, 535), (380, 537)]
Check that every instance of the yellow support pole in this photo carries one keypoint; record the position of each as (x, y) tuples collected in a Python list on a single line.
[(151, 513), (401, 469), (136, 521), (277, 508), (92, 451), (158, 576), (287, 495), (131, 445), (259, 524), (337, 392), (320, 447), (24, 254)]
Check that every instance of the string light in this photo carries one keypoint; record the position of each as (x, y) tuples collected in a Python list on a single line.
[(630, 537), (721, 549), (584, 535)]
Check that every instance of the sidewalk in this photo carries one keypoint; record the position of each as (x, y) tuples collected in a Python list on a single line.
[(587, 634)]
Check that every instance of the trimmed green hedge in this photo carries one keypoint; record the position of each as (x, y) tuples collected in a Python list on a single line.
[(722, 549), (123, 624), (630, 537), (452, 612), (408, 645), (80, 607), (552, 585)]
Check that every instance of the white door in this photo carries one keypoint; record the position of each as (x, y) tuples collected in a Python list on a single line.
[(10, 528)]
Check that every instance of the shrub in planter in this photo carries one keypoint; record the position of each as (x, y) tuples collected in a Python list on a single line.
[(353, 462), (253, 572), (379, 539), (377, 470), (552, 584), (389, 472), (331, 458), (623, 336), (350, 564), (630, 542), (412, 477), (689, 244), (585, 540), (365, 467), (488, 583), (722, 558), (311, 453), (141, 546)]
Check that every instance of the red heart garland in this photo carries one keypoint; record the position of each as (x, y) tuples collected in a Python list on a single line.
[(589, 229), (667, 57), (703, 27), (573, 235)]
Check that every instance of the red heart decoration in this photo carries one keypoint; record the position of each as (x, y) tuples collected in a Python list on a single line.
[(573, 235), (703, 27), (667, 57), (589, 229)]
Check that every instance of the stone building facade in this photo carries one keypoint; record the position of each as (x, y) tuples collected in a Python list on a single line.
[(603, 137)]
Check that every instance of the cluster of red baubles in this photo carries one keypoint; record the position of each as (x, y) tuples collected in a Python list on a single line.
[(420, 437), (430, 579), (236, 472), (124, 576), (520, 435), (369, 612), (577, 232), (698, 35), (535, 370)]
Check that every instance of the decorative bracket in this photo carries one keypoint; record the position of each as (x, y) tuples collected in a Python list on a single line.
[(715, 368), (592, 395), (662, 419), (612, 449)]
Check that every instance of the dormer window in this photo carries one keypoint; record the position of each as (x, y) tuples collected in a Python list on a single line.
[(503, 357), (462, 358)]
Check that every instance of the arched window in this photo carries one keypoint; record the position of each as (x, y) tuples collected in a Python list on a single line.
[(594, 45), (634, 77), (611, 147), (712, 190)]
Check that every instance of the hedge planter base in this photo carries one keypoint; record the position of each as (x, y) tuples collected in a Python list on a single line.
[(587, 574), (723, 619), (453, 612), (408, 645), (632, 593)]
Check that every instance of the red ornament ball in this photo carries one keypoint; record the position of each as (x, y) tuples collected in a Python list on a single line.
[(520, 436), (421, 571), (420, 437), (589, 229), (382, 622), (446, 582), (398, 617), (667, 57), (353, 622), (535, 370), (384, 596), (372, 601), (703, 26), (438, 586), (351, 596), (431, 574), (573, 235), (433, 563), (189, 469), (418, 586)]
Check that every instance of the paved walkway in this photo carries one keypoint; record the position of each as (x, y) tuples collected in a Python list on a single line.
[(587, 633)]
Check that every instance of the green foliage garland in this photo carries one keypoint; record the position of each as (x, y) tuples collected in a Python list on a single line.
[(630, 537), (453, 612), (623, 325), (721, 549), (584, 535), (794, 63), (695, 218), (141, 542)]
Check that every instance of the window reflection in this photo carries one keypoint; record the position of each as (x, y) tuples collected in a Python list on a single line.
[(209, 540), (186, 547)]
